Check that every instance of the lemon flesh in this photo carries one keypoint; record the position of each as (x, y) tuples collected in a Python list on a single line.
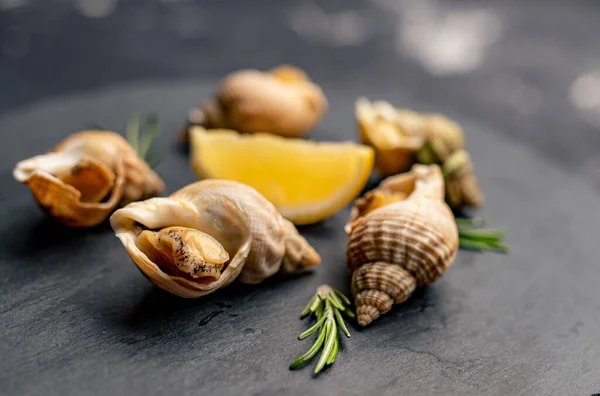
[(307, 181)]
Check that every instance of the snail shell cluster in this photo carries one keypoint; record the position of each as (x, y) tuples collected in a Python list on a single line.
[(82, 180), (282, 101), (442, 138), (403, 137), (206, 235), (445, 146), (401, 236), (462, 188), (394, 134)]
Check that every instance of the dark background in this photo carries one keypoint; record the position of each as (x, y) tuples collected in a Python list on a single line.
[(523, 78), (532, 53)]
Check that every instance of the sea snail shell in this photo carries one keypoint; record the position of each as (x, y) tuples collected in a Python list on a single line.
[(394, 134), (282, 101), (82, 180), (443, 137), (403, 137), (462, 188), (400, 236), (206, 235)]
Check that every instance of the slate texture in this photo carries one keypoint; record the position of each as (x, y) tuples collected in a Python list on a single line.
[(77, 318)]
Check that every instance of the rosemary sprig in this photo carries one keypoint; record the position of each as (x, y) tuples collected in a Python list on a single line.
[(327, 305), (141, 139), (132, 132), (472, 236)]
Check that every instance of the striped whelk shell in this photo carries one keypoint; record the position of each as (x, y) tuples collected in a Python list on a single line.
[(282, 101), (206, 235), (401, 236), (82, 180)]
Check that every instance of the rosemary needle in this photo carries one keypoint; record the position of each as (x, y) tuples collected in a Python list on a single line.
[(327, 305), (132, 132), (310, 353), (474, 222), (330, 337), (472, 236), (141, 139), (150, 134), (313, 329)]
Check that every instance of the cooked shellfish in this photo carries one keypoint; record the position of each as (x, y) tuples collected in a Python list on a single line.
[(84, 178), (462, 188), (442, 138), (206, 235), (394, 134), (403, 137), (401, 236), (282, 101)]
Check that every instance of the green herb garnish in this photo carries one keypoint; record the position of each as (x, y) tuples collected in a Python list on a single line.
[(327, 305), (141, 139), (472, 235)]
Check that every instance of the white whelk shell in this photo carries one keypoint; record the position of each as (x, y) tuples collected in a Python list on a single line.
[(208, 234)]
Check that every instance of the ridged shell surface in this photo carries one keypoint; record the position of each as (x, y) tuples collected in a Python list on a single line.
[(401, 245), (418, 235)]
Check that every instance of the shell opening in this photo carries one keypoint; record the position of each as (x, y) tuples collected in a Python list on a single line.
[(393, 189), (377, 199), (92, 179), (74, 188), (184, 252)]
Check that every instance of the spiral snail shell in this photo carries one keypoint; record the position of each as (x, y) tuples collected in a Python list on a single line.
[(206, 235), (403, 137), (401, 236), (82, 180), (282, 101), (444, 145)]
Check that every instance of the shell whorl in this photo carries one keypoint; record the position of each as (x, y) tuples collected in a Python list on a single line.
[(376, 286), (404, 234), (400, 246)]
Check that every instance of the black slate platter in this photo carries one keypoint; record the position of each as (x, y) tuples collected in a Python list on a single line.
[(76, 316)]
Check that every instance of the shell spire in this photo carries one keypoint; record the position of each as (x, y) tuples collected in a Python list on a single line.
[(401, 236), (208, 234)]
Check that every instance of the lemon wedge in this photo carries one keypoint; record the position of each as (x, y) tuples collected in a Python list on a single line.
[(307, 181)]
